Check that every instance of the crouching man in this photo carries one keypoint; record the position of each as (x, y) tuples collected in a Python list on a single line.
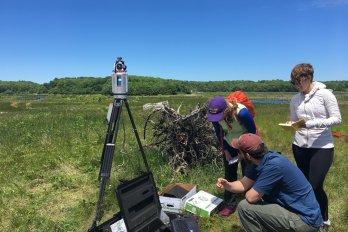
[(278, 197)]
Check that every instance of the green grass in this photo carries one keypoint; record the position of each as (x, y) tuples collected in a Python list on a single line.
[(50, 159)]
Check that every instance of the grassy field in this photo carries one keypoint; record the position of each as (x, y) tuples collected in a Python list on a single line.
[(50, 148)]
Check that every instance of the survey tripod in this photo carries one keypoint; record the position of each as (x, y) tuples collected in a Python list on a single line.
[(120, 89)]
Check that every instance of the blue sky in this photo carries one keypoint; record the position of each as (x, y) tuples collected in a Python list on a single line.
[(196, 40)]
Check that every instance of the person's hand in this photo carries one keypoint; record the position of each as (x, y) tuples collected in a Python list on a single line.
[(221, 183), (228, 156)]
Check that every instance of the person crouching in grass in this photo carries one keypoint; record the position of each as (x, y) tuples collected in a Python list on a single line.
[(278, 197)]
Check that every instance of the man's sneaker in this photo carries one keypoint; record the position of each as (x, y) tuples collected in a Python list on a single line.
[(227, 211), (327, 223)]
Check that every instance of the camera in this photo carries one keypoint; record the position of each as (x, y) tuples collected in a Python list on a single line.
[(120, 79), (120, 66)]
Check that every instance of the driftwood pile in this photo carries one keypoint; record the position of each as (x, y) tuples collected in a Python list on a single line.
[(187, 139)]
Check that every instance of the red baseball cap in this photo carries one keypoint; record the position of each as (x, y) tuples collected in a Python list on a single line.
[(248, 143)]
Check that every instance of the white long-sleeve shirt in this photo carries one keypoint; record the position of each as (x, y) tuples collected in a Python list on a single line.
[(320, 110)]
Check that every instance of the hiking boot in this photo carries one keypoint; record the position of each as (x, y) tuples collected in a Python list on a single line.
[(227, 211)]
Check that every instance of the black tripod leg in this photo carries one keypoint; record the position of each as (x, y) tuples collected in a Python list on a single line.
[(112, 127), (109, 134), (109, 149), (107, 155), (137, 135)]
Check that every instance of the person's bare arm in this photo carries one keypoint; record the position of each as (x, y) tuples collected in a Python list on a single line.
[(238, 186), (253, 196)]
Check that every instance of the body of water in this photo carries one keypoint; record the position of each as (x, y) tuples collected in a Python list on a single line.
[(270, 101)]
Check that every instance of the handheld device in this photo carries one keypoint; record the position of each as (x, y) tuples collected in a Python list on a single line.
[(233, 160)]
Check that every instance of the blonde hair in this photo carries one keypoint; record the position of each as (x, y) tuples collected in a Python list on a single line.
[(229, 113)]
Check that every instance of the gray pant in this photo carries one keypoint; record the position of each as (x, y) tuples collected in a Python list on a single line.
[(270, 217)]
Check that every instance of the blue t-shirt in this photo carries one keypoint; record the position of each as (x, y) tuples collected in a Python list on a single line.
[(283, 183)]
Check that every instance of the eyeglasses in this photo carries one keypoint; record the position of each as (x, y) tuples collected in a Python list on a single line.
[(298, 81)]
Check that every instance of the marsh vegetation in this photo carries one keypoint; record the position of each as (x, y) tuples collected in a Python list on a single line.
[(50, 149)]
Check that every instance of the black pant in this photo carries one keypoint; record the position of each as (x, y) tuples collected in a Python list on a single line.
[(231, 175), (315, 163)]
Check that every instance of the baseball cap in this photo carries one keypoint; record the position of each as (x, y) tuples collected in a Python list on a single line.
[(248, 143), (217, 105)]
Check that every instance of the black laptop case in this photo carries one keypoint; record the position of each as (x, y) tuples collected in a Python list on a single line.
[(106, 226), (139, 204)]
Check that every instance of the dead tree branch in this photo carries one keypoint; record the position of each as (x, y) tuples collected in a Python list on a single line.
[(186, 139)]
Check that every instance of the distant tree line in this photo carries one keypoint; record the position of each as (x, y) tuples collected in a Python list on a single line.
[(138, 85), (15, 87)]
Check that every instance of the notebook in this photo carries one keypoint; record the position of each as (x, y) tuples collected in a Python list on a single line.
[(294, 126)]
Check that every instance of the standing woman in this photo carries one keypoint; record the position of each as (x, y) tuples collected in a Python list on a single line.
[(313, 146), (230, 120)]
